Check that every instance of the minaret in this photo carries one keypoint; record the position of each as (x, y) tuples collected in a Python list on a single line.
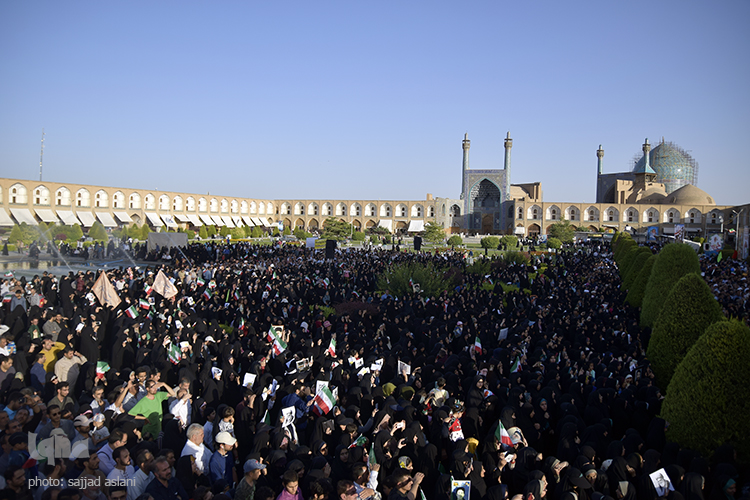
[(508, 145), (599, 157), (466, 145), (646, 151)]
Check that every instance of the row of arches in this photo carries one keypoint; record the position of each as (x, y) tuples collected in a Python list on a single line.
[(356, 210), (18, 194), (613, 214), (314, 224)]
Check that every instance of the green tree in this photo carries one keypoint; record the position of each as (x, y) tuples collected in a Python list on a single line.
[(237, 233), (134, 231), (563, 231), (76, 233), (336, 229), (287, 231), (211, 231), (190, 234), (257, 232), (675, 261), (16, 234), (489, 242), (455, 240), (635, 266), (275, 231), (223, 231), (689, 309), (708, 400), (97, 232), (434, 233), (359, 236), (510, 241), (203, 233), (145, 230), (554, 243), (301, 234), (432, 280), (638, 288)]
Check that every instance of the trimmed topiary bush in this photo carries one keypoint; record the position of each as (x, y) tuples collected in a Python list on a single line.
[(675, 261), (638, 288), (554, 243), (689, 309), (636, 264), (708, 401), (627, 260)]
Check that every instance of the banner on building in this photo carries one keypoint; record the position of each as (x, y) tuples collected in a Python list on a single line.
[(679, 233)]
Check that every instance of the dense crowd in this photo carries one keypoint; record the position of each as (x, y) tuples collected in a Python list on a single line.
[(275, 373)]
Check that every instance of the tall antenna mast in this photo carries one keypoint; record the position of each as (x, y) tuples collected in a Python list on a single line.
[(41, 157)]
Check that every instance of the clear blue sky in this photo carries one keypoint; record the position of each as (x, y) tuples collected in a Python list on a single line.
[(369, 99)]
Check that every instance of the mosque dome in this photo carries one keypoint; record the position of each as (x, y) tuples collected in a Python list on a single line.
[(689, 195), (674, 167)]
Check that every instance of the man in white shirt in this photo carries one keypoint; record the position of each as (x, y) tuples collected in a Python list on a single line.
[(123, 472), (143, 475), (181, 407), (196, 448), (68, 366)]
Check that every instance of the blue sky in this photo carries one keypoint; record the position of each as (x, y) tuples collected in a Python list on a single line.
[(364, 99)]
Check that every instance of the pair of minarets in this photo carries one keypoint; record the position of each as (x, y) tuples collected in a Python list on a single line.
[(646, 151), (467, 144)]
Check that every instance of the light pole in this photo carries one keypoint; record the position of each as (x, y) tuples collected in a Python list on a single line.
[(737, 230)]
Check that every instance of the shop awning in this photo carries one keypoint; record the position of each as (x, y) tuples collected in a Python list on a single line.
[(257, 221), (123, 217), (23, 215), (415, 226), (195, 220), (68, 217), (207, 220), (46, 215), (154, 219), (248, 221), (5, 219), (237, 220), (181, 218), (386, 223), (217, 220), (227, 221), (86, 218), (519, 230), (265, 222), (169, 220), (106, 219)]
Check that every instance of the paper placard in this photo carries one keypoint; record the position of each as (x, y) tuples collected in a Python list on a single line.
[(352, 360), (248, 380), (404, 368), (377, 365), (288, 416), (661, 482), (365, 370), (303, 365), (503, 334), (358, 363), (460, 490), (319, 384)]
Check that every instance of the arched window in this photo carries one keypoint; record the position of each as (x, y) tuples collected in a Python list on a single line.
[(312, 209), (651, 215), (202, 205), (118, 200), (243, 207), (41, 195), (177, 203), (431, 211), (692, 217), (134, 201), (224, 206), (18, 194), (520, 213), (149, 201), (190, 204), (101, 199), (62, 197), (611, 215), (83, 198)]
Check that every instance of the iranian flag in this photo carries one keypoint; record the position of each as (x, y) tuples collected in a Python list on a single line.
[(326, 282), (516, 366), (324, 401), (308, 280), (355, 293), (212, 284), (268, 287), (9, 274), (207, 294), (7, 298), (272, 335), (102, 367), (148, 290), (200, 281), (279, 346), (502, 435), (360, 441), (174, 354), (487, 393), (145, 304), (242, 323), (236, 295), (275, 276), (132, 312), (332, 348), (477, 344)]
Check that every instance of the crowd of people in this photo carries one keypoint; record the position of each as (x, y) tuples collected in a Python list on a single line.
[(271, 372)]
